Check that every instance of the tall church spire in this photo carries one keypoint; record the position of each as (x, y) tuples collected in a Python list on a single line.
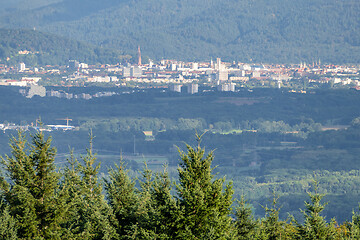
[(139, 56)]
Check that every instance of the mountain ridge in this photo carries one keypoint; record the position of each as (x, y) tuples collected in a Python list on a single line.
[(245, 30)]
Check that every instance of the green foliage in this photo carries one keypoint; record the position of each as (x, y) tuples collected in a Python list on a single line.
[(244, 220), (33, 193), (272, 227), (122, 198), (352, 229), (88, 215), (49, 49), (143, 124), (8, 227), (259, 31), (315, 226), (168, 213), (37, 202), (206, 204), (257, 162)]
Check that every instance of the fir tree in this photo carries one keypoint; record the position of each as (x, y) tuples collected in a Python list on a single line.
[(89, 216), (352, 229), (272, 227), (122, 198), (315, 225), (8, 229), (156, 208), (167, 211), (245, 223), (205, 203), (33, 192)]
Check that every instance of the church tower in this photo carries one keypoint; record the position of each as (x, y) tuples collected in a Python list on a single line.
[(139, 56)]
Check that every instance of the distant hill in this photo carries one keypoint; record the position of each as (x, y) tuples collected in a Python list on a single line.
[(34, 47), (245, 30)]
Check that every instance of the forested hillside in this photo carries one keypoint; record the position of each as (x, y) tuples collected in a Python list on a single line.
[(274, 144), (245, 30), (49, 49)]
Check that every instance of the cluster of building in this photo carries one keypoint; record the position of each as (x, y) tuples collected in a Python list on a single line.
[(36, 90), (39, 127), (86, 96), (23, 82), (178, 75), (47, 128)]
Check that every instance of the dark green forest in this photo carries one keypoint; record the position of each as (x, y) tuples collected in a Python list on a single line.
[(276, 31), (265, 140), (40, 201), (49, 49)]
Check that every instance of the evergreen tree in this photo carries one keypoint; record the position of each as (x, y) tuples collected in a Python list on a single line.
[(8, 229), (148, 213), (122, 198), (352, 229), (156, 209), (166, 208), (315, 225), (272, 228), (245, 223), (89, 216), (271, 225), (33, 192), (144, 208), (205, 203)]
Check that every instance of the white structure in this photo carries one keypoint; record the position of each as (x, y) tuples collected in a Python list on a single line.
[(135, 72), (218, 64), (222, 73), (83, 65), (22, 67), (114, 79), (99, 79), (222, 76), (175, 88), (226, 87), (192, 88), (36, 90), (126, 72), (256, 74)]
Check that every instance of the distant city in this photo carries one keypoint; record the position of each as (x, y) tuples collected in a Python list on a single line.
[(177, 76)]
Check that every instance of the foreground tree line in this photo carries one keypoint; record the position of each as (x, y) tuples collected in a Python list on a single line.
[(39, 201)]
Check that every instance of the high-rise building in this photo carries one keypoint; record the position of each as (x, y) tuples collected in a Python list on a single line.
[(226, 87), (126, 72), (222, 76), (193, 88), (218, 64), (222, 73), (175, 88), (135, 72)]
